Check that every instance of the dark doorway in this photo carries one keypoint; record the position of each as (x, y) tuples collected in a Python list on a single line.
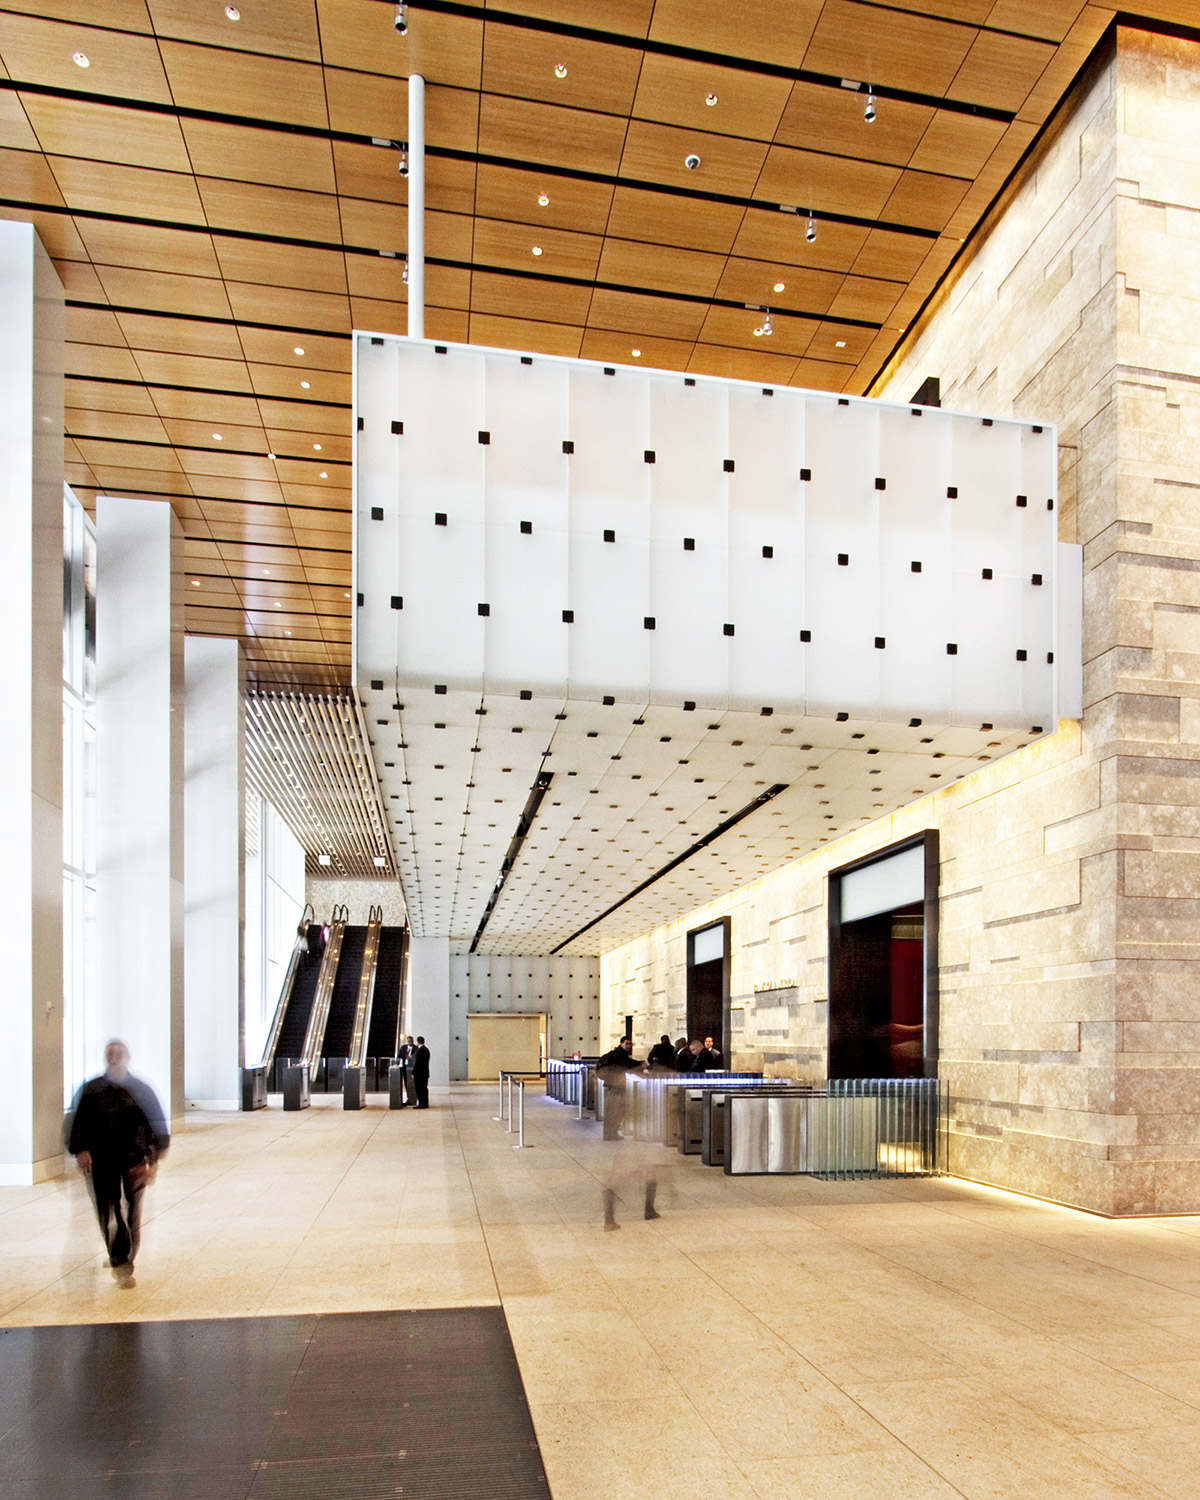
[(883, 966), (708, 984)]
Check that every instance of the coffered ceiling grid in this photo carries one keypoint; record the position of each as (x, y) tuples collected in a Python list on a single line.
[(223, 206)]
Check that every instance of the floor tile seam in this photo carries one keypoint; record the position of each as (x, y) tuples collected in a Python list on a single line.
[(466, 1167)]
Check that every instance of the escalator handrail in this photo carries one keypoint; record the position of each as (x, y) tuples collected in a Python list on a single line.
[(366, 988), (285, 997), (319, 1016)]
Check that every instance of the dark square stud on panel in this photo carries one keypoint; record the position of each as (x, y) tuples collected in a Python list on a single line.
[(880, 643), (841, 718), (648, 455), (608, 702), (440, 349), (485, 438), (767, 391), (381, 721), (728, 466), (1035, 729), (568, 617), (915, 566), (360, 600), (526, 528), (568, 445), (377, 682), (881, 484), (648, 622), (610, 536), (1036, 580), (842, 401), (1037, 429), (767, 712), (1022, 656), (398, 429), (987, 421), (689, 544), (439, 518), (843, 559), (1022, 501), (360, 424), (525, 695), (986, 726), (377, 512), (1050, 658), (914, 723), (986, 575), (727, 629), (951, 649), (952, 492), (768, 551), (609, 370), (440, 688), (377, 343), (397, 601), (687, 380), (805, 475), (688, 705), (485, 610), (1049, 504), (526, 359), (806, 636)]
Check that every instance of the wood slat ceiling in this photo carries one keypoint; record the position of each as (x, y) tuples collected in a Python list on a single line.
[(223, 206)]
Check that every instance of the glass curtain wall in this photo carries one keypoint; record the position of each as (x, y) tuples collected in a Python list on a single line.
[(275, 896), (80, 1046)]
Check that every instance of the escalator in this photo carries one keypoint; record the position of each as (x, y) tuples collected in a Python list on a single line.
[(298, 1008), (339, 1029), (383, 1036)]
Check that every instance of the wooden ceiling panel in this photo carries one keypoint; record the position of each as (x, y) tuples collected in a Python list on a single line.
[(97, 396), (523, 131), (625, 263), (87, 325), (103, 456), (16, 133), (191, 296), (276, 158), (381, 110), (445, 323), (513, 245), (826, 184), (110, 424), (56, 231), (865, 299), (286, 307), (508, 193), (839, 343), (108, 187), (116, 15), (669, 219), (298, 416), (147, 248), (373, 172), (284, 28), (1000, 71), (272, 264), (28, 178), (222, 487), (190, 370), (957, 145), (742, 364), (735, 327), (322, 504), (892, 257), (804, 289), (1051, 19), (518, 297), (252, 208), (122, 65), (676, 91), (924, 201), (882, 46), (206, 406), (359, 34), (240, 83), (180, 336), (326, 450), (780, 238), (760, 29), (189, 434), (312, 385), (661, 317), (266, 346), (523, 64), (202, 461), (80, 281), (832, 121), (101, 363), (820, 375), (656, 153), (106, 132)]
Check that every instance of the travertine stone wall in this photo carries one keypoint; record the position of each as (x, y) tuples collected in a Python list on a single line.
[(565, 990), (1070, 884), (359, 896)]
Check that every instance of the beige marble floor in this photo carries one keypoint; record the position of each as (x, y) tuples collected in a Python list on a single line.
[(765, 1339)]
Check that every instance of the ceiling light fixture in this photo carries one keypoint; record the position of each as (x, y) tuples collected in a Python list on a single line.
[(218, 438), (764, 330), (543, 200), (81, 60), (305, 385), (691, 161), (710, 100), (404, 272), (297, 350), (869, 112), (637, 353), (560, 70), (779, 286), (537, 250), (401, 20), (324, 475), (403, 169), (195, 583), (810, 233), (271, 456), (232, 13), (316, 447), (841, 344)]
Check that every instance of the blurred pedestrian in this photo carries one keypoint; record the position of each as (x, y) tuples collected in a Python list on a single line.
[(611, 1070), (117, 1134)]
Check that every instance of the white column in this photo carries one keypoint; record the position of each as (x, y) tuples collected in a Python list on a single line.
[(214, 814), (416, 207), (428, 1007), (139, 791), (31, 716)]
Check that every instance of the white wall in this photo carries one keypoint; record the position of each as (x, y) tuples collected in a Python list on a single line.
[(566, 990)]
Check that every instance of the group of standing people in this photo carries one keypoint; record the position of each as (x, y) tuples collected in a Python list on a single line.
[(682, 1056), (413, 1061)]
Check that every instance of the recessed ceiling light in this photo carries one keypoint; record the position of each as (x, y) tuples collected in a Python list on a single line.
[(316, 447), (537, 249), (560, 70), (266, 572), (305, 385), (271, 456), (779, 286), (543, 199), (841, 344), (218, 438), (347, 595), (637, 353), (297, 350), (278, 605), (323, 474), (710, 100), (195, 583), (233, 13)]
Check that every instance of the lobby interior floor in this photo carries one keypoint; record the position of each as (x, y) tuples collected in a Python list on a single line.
[(764, 1339)]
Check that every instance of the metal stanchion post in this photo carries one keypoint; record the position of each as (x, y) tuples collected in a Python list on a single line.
[(580, 1082), (510, 1084), (500, 1100), (520, 1114)]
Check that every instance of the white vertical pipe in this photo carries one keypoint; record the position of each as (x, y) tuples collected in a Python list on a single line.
[(416, 207)]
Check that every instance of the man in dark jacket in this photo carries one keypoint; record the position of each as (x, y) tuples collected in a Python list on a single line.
[(117, 1134), (611, 1070), (420, 1072), (662, 1054)]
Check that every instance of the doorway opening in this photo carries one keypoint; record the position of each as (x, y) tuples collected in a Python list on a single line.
[(883, 1010), (708, 965)]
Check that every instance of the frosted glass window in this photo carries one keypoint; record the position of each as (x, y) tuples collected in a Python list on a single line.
[(884, 885), (708, 943)]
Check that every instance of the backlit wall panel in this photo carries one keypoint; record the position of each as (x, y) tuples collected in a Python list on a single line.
[(575, 530)]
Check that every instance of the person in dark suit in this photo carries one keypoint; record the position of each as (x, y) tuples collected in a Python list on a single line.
[(404, 1060), (117, 1133), (420, 1073), (662, 1054)]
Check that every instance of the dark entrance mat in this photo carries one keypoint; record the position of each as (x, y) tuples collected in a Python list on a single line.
[(350, 1406)]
